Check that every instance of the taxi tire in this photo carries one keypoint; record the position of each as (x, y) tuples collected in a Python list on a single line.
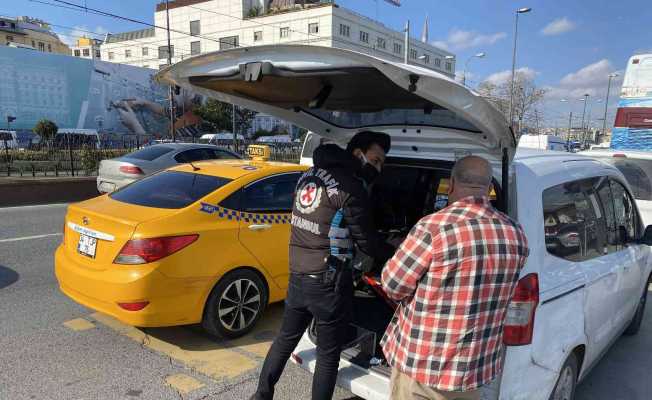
[(210, 320)]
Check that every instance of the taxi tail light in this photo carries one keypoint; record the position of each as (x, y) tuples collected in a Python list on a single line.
[(143, 251), (135, 306), (519, 321), (131, 169)]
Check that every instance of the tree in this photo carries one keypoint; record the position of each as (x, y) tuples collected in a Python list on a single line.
[(46, 130), (220, 116), (526, 98)]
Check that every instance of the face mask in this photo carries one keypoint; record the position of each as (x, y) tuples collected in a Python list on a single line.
[(368, 173)]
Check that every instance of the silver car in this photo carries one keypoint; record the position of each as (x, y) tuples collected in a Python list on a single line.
[(118, 172)]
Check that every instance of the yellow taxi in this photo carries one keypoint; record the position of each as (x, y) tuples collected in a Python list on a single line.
[(202, 242)]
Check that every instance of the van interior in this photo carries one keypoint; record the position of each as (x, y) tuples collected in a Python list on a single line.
[(406, 191)]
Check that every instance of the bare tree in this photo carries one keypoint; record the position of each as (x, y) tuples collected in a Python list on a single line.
[(526, 98)]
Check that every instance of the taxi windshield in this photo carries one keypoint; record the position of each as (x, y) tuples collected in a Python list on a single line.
[(169, 189)]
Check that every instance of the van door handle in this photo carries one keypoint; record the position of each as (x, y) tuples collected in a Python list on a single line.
[(260, 227)]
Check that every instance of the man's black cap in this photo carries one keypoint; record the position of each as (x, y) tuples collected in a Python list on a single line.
[(364, 140)]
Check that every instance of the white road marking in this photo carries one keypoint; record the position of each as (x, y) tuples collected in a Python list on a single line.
[(19, 208), (18, 239)]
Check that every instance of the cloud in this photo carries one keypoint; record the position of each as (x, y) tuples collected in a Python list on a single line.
[(558, 26), (591, 79), (70, 37), (503, 76), (459, 39)]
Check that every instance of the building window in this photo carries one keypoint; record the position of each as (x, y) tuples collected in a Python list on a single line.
[(111, 55), (345, 30), (364, 37), (41, 46), (33, 43), (145, 51), (127, 53), (2, 23), (313, 28), (10, 38), (86, 52), (449, 66), (285, 32), (438, 62), (13, 25), (195, 48), (228, 42), (381, 43), (426, 58), (195, 28), (413, 54), (398, 48), (77, 53), (258, 36), (49, 47), (97, 54), (163, 52)]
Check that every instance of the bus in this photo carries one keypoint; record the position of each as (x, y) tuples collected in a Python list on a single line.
[(633, 126)]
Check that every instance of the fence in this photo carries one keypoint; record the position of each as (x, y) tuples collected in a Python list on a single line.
[(83, 159)]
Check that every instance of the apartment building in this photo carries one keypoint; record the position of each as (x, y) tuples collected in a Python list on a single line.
[(200, 26), (87, 48), (30, 33)]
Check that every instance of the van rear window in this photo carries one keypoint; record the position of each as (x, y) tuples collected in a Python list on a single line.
[(150, 153), (169, 189)]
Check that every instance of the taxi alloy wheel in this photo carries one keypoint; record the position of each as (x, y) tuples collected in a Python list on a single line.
[(235, 305)]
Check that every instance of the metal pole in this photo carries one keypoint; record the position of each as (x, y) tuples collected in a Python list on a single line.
[(570, 125), (511, 92), (407, 42), (586, 100), (6, 147), (170, 91), (72, 164), (606, 103), (235, 135)]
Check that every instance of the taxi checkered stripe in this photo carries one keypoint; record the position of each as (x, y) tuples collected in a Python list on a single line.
[(257, 218)]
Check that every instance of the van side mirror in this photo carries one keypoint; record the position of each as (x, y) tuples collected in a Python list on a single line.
[(647, 236)]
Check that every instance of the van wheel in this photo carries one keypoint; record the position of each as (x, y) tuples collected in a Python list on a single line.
[(235, 304), (635, 325), (567, 381)]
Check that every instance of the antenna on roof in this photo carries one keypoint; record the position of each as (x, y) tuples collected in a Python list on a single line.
[(194, 168)]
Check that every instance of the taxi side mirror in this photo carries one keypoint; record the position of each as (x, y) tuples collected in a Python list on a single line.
[(647, 236)]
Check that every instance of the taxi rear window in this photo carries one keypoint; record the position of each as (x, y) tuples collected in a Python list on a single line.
[(169, 189)]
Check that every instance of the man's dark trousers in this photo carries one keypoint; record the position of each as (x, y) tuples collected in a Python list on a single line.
[(331, 305)]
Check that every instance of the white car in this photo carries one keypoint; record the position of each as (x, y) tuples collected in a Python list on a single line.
[(637, 168), (585, 281), (542, 142)]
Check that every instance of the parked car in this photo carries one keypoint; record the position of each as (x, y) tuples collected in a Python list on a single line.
[(202, 243), (637, 168), (118, 172), (568, 307), (543, 142)]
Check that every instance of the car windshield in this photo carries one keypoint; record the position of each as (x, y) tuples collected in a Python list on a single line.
[(638, 174), (169, 189), (149, 153)]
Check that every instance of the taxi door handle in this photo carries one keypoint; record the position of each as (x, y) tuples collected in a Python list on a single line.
[(259, 227)]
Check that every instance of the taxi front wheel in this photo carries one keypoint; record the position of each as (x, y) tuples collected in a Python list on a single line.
[(235, 304)]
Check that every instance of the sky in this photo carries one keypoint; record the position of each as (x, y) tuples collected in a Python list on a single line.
[(568, 47)]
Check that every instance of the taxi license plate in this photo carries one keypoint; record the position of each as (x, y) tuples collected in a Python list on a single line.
[(87, 246)]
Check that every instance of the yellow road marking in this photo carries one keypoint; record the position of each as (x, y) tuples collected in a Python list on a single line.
[(195, 351), (79, 324), (183, 383)]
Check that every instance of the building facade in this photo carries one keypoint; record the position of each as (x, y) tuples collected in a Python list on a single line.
[(87, 48), (31, 33), (201, 26)]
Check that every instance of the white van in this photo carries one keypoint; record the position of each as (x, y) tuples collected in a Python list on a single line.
[(542, 142), (637, 168), (585, 281)]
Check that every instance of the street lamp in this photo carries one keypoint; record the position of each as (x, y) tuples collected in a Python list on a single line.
[(511, 97), (606, 103), (466, 64), (585, 99)]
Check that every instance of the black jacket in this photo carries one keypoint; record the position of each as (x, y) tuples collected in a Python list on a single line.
[(331, 213)]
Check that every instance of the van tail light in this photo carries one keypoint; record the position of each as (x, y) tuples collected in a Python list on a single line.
[(519, 321), (131, 169), (143, 251)]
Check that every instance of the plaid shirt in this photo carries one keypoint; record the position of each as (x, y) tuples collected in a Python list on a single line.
[(453, 275)]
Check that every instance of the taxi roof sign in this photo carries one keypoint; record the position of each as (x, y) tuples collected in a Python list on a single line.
[(259, 152)]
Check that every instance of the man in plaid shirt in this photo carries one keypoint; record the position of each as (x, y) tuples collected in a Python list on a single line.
[(453, 276)]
